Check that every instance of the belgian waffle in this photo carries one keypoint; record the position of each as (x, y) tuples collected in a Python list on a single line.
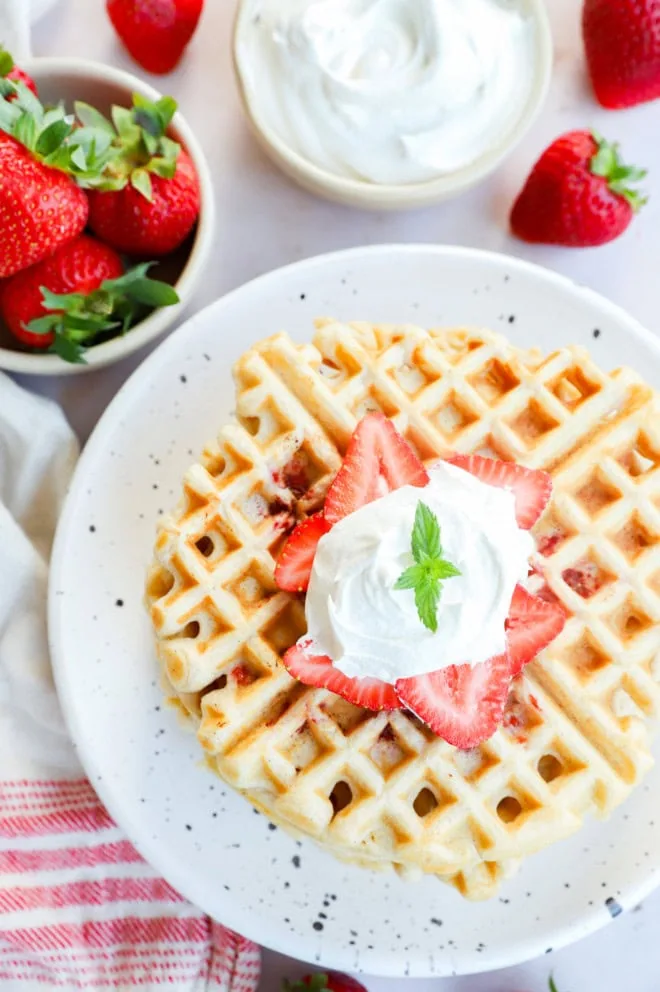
[(380, 789)]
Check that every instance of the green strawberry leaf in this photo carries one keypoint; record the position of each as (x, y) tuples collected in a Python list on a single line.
[(607, 164), (313, 983), (68, 350), (52, 137), (152, 293), (141, 181), (91, 118), (6, 62), (43, 325)]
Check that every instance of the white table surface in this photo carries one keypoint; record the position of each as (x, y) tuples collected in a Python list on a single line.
[(265, 222)]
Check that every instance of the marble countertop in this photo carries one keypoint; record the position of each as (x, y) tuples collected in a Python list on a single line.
[(265, 222)]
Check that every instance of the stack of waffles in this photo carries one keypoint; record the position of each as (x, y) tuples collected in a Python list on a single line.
[(380, 789)]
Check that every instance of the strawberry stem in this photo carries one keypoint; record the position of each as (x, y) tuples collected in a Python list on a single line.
[(607, 163), (79, 320), (140, 145), (6, 62)]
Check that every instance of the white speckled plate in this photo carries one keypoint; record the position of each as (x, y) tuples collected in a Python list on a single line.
[(207, 841)]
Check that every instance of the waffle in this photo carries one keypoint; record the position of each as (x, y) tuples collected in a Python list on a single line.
[(381, 789)]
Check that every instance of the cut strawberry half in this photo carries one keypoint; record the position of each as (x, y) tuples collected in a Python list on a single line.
[(294, 566), (378, 460), (318, 670), (531, 487), (463, 704), (532, 624)]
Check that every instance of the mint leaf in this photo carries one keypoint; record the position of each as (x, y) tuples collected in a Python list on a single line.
[(427, 597), (430, 570), (411, 577), (426, 534)]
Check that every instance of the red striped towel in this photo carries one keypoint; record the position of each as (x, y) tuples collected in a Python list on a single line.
[(79, 908)]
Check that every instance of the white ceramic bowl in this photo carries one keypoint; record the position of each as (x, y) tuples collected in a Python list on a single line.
[(101, 85), (375, 196)]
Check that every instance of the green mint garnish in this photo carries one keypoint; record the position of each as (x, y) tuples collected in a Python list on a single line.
[(430, 569)]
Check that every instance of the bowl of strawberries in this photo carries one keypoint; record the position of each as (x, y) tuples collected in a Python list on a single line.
[(106, 215)]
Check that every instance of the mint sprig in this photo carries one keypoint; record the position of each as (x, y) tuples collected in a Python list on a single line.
[(430, 569)]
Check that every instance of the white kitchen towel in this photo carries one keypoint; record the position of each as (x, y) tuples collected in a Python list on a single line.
[(79, 908)]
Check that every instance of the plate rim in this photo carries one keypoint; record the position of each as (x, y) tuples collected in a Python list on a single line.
[(593, 919)]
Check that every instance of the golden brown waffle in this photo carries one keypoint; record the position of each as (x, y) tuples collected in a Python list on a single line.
[(380, 789)]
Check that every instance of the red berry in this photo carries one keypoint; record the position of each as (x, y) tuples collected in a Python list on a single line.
[(40, 208), (155, 32), (532, 624), (80, 266), (622, 43), (318, 671), (579, 194), (531, 487), (463, 704), (294, 566), (378, 460), (145, 228)]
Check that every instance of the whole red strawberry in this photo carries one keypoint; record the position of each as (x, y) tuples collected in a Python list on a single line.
[(579, 194), (9, 70), (77, 298), (622, 42), (40, 208), (330, 982), (148, 200), (80, 266), (155, 32)]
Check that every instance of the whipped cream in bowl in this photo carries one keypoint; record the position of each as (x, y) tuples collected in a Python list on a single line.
[(369, 628), (391, 102)]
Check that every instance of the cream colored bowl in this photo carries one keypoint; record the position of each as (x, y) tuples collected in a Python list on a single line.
[(359, 193), (101, 85)]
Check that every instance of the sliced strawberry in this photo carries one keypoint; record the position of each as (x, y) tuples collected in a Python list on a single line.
[(318, 670), (531, 487), (378, 460), (532, 624), (463, 704), (294, 566)]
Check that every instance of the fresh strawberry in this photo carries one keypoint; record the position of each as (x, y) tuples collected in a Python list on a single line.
[(531, 487), (318, 670), (622, 42), (155, 32), (148, 199), (579, 194), (463, 704), (80, 266), (77, 295), (43, 158), (40, 208), (294, 566), (330, 982), (377, 461), (10, 71), (532, 624)]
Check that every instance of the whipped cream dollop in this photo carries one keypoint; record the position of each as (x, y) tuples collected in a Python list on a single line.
[(387, 91), (369, 628)]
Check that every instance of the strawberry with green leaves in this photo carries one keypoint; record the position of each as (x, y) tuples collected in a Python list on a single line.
[(332, 981), (147, 201), (579, 194), (78, 297), (43, 159), (11, 75)]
